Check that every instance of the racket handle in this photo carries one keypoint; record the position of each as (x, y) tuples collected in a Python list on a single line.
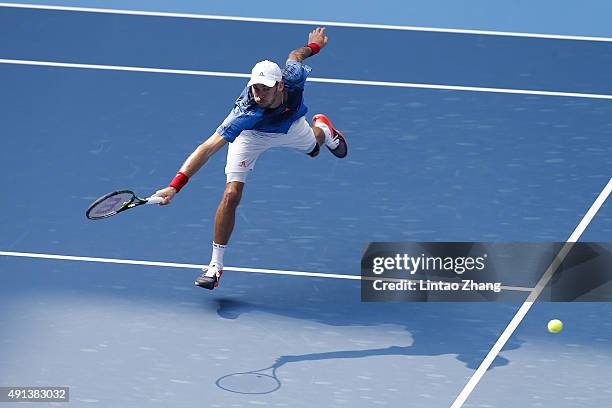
[(155, 200)]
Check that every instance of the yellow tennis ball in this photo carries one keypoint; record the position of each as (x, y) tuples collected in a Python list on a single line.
[(555, 326)]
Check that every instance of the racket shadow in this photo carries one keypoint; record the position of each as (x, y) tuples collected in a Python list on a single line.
[(469, 346), (263, 381)]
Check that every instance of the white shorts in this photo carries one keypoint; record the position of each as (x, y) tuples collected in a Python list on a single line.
[(246, 148)]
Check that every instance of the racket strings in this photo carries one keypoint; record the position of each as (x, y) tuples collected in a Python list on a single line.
[(110, 205)]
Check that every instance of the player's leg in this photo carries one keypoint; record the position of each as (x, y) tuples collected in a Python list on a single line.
[(319, 135), (242, 154), (308, 139), (320, 139), (226, 212), (225, 218), (302, 137)]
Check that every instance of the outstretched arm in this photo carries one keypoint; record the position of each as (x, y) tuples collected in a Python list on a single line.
[(201, 154), (316, 40), (194, 162)]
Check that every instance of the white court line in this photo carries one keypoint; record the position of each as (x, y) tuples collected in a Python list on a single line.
[(520, 315), (196, 266), (319, 80), (124, 68), (174, 265), (227, 268), (307, 22)]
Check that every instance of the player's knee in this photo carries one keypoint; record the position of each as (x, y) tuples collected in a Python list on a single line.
[(232, 196), (319, 135)]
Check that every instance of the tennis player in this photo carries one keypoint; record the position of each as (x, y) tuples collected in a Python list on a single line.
[(269, 113)]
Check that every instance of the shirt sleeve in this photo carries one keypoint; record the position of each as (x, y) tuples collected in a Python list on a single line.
[(235, 122), (295, 74)]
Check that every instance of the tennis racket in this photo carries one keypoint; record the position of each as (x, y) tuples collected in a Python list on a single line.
[(113, 203)]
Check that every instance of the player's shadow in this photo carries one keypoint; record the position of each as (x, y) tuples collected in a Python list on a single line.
[(467, 330)]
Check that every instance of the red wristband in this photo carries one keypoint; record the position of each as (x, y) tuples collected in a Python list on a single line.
[(179, 181), (314, 48)]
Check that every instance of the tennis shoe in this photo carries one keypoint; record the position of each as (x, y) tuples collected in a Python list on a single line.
[(341, 150), (209, 279)]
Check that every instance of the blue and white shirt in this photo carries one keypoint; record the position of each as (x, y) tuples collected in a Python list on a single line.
[(246, 115)]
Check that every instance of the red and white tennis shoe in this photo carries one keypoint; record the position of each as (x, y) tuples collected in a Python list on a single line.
[(341, 150), (210, 277)]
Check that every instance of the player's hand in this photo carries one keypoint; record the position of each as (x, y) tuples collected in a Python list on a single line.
[(167, 194), (318, 37)]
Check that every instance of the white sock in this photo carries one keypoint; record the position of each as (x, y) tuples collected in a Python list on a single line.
[(329, 141), (218, 251)]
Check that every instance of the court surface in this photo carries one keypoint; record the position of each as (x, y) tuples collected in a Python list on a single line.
[(432, 163)]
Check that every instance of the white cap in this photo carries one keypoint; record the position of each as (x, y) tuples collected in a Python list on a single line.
[(267, 73)]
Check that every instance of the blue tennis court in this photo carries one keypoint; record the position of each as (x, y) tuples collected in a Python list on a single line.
[(93, 102)]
